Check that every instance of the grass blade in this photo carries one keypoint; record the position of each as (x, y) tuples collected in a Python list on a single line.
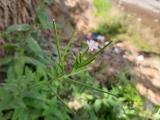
[(92, 57), (67, 49), (58, 46)]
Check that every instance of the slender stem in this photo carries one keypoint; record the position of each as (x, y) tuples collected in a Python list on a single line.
[(65, 104), (92, 57), (57, 41), (60, 98), (64, 76), (71, 74), (89, 86)]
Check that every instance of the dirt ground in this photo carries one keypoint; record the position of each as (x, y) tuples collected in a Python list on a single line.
[(148, 18), (143, 68)]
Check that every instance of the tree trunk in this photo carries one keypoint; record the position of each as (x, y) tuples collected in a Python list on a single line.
[(70, 14), (16, 11)]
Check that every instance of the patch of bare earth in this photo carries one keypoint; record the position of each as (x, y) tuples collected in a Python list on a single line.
[(144, 68), (146, 20)]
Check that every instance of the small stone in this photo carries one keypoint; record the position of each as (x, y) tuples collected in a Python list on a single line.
[(116, 50), (156, 20), (76, 105), (119, 44), (140, 58), (139, 19), (101, 38)]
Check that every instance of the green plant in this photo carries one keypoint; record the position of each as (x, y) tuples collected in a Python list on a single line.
[(111, 29), (36, 81), (102, 8), (156, 113), (126, 105), (39, 84)]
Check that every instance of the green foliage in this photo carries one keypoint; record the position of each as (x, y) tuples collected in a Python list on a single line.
[(36, 81), (48, 2), (126, 105), (156, 113), (42, 17), (119, 26), (140, 43), (39, 85), (102, 7), (18, 28), (111, 29)]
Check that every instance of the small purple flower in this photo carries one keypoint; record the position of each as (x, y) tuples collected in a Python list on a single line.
[(93, 45)]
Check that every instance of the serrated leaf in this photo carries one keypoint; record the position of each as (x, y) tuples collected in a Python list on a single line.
[(8, 47), (34, 103), (34, 114), (97, 105), (23, 114), (15, 114), (34, 62), (5, 60), (11, 73), (6, 101), (20, 114), (7, 115), (34, 46), (43, 18), (18, 28), (33, 95)]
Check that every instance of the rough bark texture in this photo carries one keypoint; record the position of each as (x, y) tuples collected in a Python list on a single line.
[(70, 14), (16, 11), (77, 12)]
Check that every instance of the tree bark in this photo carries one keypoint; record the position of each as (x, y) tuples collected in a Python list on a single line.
[(71, 14), (16, 11)]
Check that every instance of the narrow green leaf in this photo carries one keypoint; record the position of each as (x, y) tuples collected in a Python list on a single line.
[(92, 57), (90, 87), (72, 73), (58, 46), (18, 28), (68, 47)]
